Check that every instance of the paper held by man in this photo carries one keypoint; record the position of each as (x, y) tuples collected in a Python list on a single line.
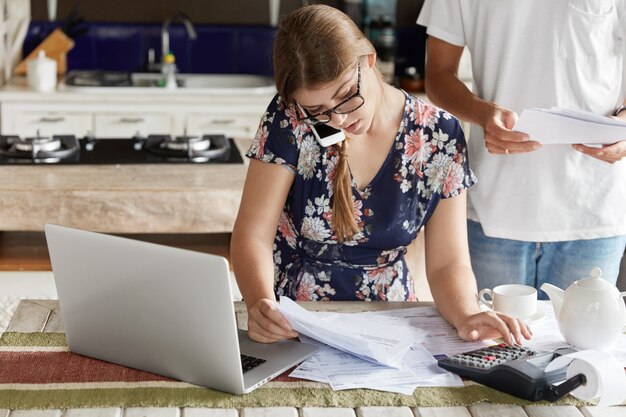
[(568, 126)]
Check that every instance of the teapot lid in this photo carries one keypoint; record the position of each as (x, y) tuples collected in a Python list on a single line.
[(595, 281)]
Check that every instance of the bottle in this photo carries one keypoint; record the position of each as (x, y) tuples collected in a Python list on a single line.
[(41, 73), (168, 69)]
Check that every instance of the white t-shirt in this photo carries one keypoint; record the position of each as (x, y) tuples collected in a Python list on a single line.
[(542, 53)]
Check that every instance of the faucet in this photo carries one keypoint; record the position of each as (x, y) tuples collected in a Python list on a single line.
[(165, 41), (165, 35)]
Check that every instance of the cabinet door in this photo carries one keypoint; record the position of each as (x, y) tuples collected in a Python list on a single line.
[(229, 125), (127, 125), (51, 123)]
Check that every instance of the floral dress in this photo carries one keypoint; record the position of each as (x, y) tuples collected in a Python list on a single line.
[(426, 162)]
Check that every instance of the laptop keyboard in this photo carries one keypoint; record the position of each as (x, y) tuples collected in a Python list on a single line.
[(250, 362)]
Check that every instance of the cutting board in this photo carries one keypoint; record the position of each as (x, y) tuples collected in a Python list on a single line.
[(56, 46)]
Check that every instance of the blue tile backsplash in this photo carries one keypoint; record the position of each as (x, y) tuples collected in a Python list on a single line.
[(227, 49), (124, 47)]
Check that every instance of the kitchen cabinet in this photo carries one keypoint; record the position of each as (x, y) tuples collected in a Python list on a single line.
[(29, 123), (227, 123), (108, 113), (126, 125)]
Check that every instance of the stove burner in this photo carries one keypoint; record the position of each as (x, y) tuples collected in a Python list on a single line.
[(189, 148), (184, 143), (155, 149), (39, 149), (37, 144)]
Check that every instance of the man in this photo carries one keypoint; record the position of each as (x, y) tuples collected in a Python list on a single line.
[(538, 213)]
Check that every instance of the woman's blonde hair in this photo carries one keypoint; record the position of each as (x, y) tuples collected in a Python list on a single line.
[(315, 46)]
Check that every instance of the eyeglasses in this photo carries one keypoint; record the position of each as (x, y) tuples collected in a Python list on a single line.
[(350, 104)]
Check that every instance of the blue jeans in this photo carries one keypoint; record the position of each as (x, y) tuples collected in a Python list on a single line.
[(502, 261)]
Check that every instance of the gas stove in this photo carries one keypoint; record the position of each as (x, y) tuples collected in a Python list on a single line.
[(153, 149)]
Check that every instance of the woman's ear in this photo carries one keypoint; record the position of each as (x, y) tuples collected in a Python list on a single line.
[(371, 60)]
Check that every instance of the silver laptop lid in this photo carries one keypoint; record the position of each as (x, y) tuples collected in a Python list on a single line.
[(147, 306)]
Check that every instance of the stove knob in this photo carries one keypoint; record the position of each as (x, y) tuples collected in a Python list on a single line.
[(139, 141), (90, 142)]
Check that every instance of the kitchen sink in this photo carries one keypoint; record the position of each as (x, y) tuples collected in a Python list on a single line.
[(150, 79), (134, 82)]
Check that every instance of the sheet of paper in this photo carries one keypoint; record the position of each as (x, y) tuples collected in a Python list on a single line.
[(381, 343), (344, 371), (441, 339), (424, 366), (567, 126), (619, 349), (546, 334), (309, 370)]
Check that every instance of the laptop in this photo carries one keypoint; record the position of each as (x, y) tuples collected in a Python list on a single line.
[(159, 309)]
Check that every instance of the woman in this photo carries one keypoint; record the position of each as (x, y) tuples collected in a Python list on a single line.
[(333, 223)]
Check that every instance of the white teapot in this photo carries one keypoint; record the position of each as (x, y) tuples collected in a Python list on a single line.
[(590, 313)]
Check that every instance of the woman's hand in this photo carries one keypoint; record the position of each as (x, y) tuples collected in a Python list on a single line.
[(266, 324), (492, 325)]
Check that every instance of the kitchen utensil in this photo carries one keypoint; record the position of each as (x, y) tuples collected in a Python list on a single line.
[(56, 46)]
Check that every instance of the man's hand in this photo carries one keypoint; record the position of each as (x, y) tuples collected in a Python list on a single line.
[(499, 138), (607, 153)]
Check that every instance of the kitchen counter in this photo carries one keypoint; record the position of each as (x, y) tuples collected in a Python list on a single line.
[(17, 90), (165, 198)]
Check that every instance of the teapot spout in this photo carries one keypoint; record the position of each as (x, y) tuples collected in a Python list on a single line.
[(556, 296)]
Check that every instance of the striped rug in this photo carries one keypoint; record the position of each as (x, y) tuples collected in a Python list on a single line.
[(38, 371)]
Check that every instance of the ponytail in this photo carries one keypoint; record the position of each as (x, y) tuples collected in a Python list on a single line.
[(316, 45), (343, 219)]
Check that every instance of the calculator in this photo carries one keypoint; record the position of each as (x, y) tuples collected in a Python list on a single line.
[(516, 370)]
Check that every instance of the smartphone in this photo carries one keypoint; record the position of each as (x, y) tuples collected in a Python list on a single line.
[(325, 135)]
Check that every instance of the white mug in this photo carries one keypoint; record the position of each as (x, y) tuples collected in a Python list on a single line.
[(515, 300)]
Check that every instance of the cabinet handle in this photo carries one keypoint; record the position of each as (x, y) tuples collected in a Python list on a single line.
[(222, 122), (52, 119), (132, 120)]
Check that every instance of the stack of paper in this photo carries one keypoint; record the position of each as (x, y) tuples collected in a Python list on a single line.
[(345, 371), (381, 343), (562, 126), (420, 333), (385, 350)]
